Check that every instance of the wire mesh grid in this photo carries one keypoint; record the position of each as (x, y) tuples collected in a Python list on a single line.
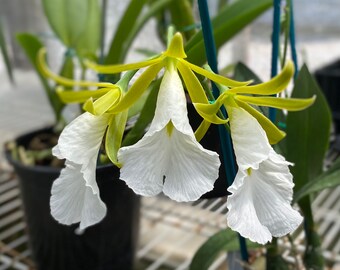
[(170, 232)]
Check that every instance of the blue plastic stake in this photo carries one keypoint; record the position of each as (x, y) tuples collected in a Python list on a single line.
[(292, 39), (275, 49), (226, 145)]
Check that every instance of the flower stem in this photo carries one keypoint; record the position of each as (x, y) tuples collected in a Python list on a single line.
[(275, 48)]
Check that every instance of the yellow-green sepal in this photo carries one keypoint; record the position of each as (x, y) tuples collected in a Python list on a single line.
[(193, 85), (41, 63), (80, 96), (202, 130), (114, 136), (111, 69), (104, 103), (290, 104), (214, 77), (137, 89), (274, 134), (209, 112), (274, 86), (176, 49)]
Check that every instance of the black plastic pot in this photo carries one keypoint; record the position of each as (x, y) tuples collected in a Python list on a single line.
[(105, 246), (328, 78)]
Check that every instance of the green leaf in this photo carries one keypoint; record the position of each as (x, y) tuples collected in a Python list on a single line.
[(126, 23), (230, 21), (31, 45), (328, 179), (225, 240), (69, 18), (4, 52), (243, 73), (89, 40), (67, 69), (122, 39), (307, 141), (308, 131), (146, 115)]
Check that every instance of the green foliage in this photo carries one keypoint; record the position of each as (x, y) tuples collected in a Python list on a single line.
[(76, 23), (230, 21), (308, 131), (243, 73), (307, 141), (328, 179), (133, 20), (224, 240), (146, 116), (31, 46)]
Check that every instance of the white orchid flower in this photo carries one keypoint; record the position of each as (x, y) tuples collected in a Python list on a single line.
[(260, 201), (168, 158), (75, 194)]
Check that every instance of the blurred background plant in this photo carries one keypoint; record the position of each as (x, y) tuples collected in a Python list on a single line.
[(4, 52)]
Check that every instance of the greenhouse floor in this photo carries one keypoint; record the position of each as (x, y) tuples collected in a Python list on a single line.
[(170, 232)]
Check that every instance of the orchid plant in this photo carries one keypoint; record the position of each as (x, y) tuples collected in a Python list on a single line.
[(168, 157)]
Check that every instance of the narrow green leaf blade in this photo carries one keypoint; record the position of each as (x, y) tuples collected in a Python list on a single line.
[(224, 240), (243, 73), (145, 117), (31, 46), (221, 241), (307, 131), (127, 22), (329, 179)]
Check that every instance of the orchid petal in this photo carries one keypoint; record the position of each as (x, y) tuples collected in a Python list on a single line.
[(249, 139), (212, 76), (209, 112), (110, 69), (202, 130), (168, 157), (290, 104), (104, 103), (73, 201), (274, 86), (137, 89), (192, 170), (114, 136), (176, 48), (274, 134), (183, 166), (62, 80), (260, 202), (80, 140), (194, 87), (242, 216), (80, 96)]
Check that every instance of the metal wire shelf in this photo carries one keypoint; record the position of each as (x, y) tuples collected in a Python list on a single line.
[(170, 232)]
